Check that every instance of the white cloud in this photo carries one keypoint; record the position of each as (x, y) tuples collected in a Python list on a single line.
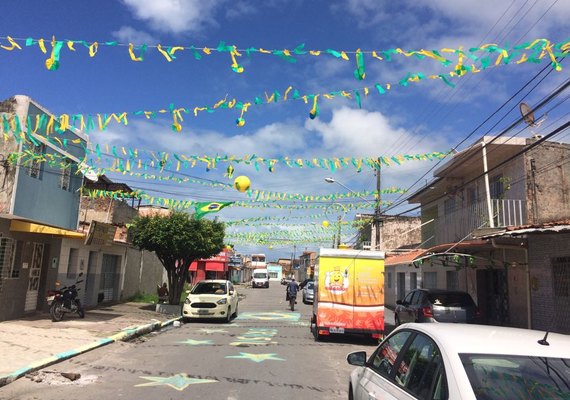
[(175, 16), (127, 34)]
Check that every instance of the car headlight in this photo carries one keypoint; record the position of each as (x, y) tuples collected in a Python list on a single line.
[(222, 301), (187, 301)]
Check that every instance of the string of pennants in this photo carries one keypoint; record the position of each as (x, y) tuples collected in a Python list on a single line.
[(144, 159), (169, 52), (531, 52), (186, 204)]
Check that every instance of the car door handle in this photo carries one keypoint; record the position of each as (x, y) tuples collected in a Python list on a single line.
[(371, 396)]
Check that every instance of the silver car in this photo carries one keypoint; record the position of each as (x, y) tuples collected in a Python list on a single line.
[(436, 305), (309, 292)]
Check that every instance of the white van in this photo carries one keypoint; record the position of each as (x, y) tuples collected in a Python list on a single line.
[(260, 278)]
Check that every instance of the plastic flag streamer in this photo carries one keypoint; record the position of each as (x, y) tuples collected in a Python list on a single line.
[(487, 55), (137, 53), (127, 160)]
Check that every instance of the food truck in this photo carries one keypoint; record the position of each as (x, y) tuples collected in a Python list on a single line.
[(349, 293)]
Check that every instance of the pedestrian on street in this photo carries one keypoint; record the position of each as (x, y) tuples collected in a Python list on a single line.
[(292, 289)]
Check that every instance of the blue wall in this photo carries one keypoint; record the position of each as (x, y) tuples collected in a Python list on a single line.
[(41, 199)]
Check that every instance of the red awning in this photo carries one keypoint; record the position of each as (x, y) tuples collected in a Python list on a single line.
[(215, 266)]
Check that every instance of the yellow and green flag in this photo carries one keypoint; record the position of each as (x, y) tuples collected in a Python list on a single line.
[(211, 207)]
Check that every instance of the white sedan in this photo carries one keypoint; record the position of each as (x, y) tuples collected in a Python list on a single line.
[(213, 298), (461, 361)]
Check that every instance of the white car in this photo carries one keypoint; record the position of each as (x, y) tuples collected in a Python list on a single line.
[(463, 361), (213, 298)]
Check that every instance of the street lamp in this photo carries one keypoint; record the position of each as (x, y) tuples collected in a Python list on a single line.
[(376, 219)]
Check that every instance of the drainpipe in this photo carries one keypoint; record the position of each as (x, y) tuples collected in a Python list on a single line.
[(528, 292), (487, 190)]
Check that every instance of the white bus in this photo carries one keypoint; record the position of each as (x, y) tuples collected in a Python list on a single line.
[(258, 261)]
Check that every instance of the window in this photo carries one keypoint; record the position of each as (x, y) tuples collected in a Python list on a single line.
[(389, 280), (413, 280), (408, 298), (65, 181), (8, 269), (471, 195), (496, 376), (421, 369), (451, 280), (383, 359), (430, 280), (561, 276), (449, 206), (417, 297), (72, 263), (34, 162), (496, 187)]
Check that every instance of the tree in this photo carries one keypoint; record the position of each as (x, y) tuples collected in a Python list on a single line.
[(177, 240)]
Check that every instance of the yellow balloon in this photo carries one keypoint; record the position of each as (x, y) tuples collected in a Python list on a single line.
[(270, 247), (325, 224), (242, 183)]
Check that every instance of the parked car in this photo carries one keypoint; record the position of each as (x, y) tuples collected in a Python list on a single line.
[(461, 361), (213, 298), (305, 282), (436, 305), (309, 292)]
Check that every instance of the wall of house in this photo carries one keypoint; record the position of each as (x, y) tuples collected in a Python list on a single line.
[(7, 174), (137, 271), (111, 211), (548, 182), (13, 290), (399, 232), (143, 273), (391, 284), (549, 312)]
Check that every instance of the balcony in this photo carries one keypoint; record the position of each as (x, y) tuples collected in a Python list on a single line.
[(463, 221)]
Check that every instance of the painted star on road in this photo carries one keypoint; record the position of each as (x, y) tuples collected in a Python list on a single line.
[(178, 381), (270, 316), (258, 357), (206, 330), (193, 342)]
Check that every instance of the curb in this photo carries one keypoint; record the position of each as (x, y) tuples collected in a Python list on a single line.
[(124, 335)]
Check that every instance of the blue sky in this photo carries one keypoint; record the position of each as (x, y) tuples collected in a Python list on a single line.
[(422, 117)]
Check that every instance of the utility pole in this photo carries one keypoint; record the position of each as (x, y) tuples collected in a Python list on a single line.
[(377, 221)]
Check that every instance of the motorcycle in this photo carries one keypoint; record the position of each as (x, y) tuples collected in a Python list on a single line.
[(65, 300)]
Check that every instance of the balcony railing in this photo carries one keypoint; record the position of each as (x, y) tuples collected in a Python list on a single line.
[(461, 222)]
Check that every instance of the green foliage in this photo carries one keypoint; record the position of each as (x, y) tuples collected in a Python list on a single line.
[(177, 240), (144, 298)]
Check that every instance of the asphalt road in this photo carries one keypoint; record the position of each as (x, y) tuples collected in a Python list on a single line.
[(266, 352)]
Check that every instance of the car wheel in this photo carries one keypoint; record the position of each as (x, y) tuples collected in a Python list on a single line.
[(396, 320), (228, 315), (235, 314), (350, 394)]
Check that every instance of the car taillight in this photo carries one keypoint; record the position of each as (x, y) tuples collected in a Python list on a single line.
[(427, 311)]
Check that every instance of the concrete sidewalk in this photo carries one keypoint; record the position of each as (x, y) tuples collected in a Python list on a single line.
[(34, 342)]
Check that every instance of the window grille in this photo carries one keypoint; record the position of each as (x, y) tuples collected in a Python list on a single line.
[(34, 164), (7, 251), (65, 181)]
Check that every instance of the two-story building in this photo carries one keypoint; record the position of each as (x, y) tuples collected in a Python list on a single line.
[(44, 237), (492, 187)]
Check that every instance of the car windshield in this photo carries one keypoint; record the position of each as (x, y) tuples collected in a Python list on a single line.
[(517, 377), (310, 285), (209, 288), (260, 275), (451, 299)]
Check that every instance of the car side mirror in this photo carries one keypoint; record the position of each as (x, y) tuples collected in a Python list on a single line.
[(357, 358), (187, 292), (399, 302), (231, 292)]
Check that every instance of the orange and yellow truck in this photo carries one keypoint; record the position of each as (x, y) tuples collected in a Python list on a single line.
[(349, 293)]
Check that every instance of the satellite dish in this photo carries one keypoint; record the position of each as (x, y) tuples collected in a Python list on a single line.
[(91, 175), (527, 114)]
